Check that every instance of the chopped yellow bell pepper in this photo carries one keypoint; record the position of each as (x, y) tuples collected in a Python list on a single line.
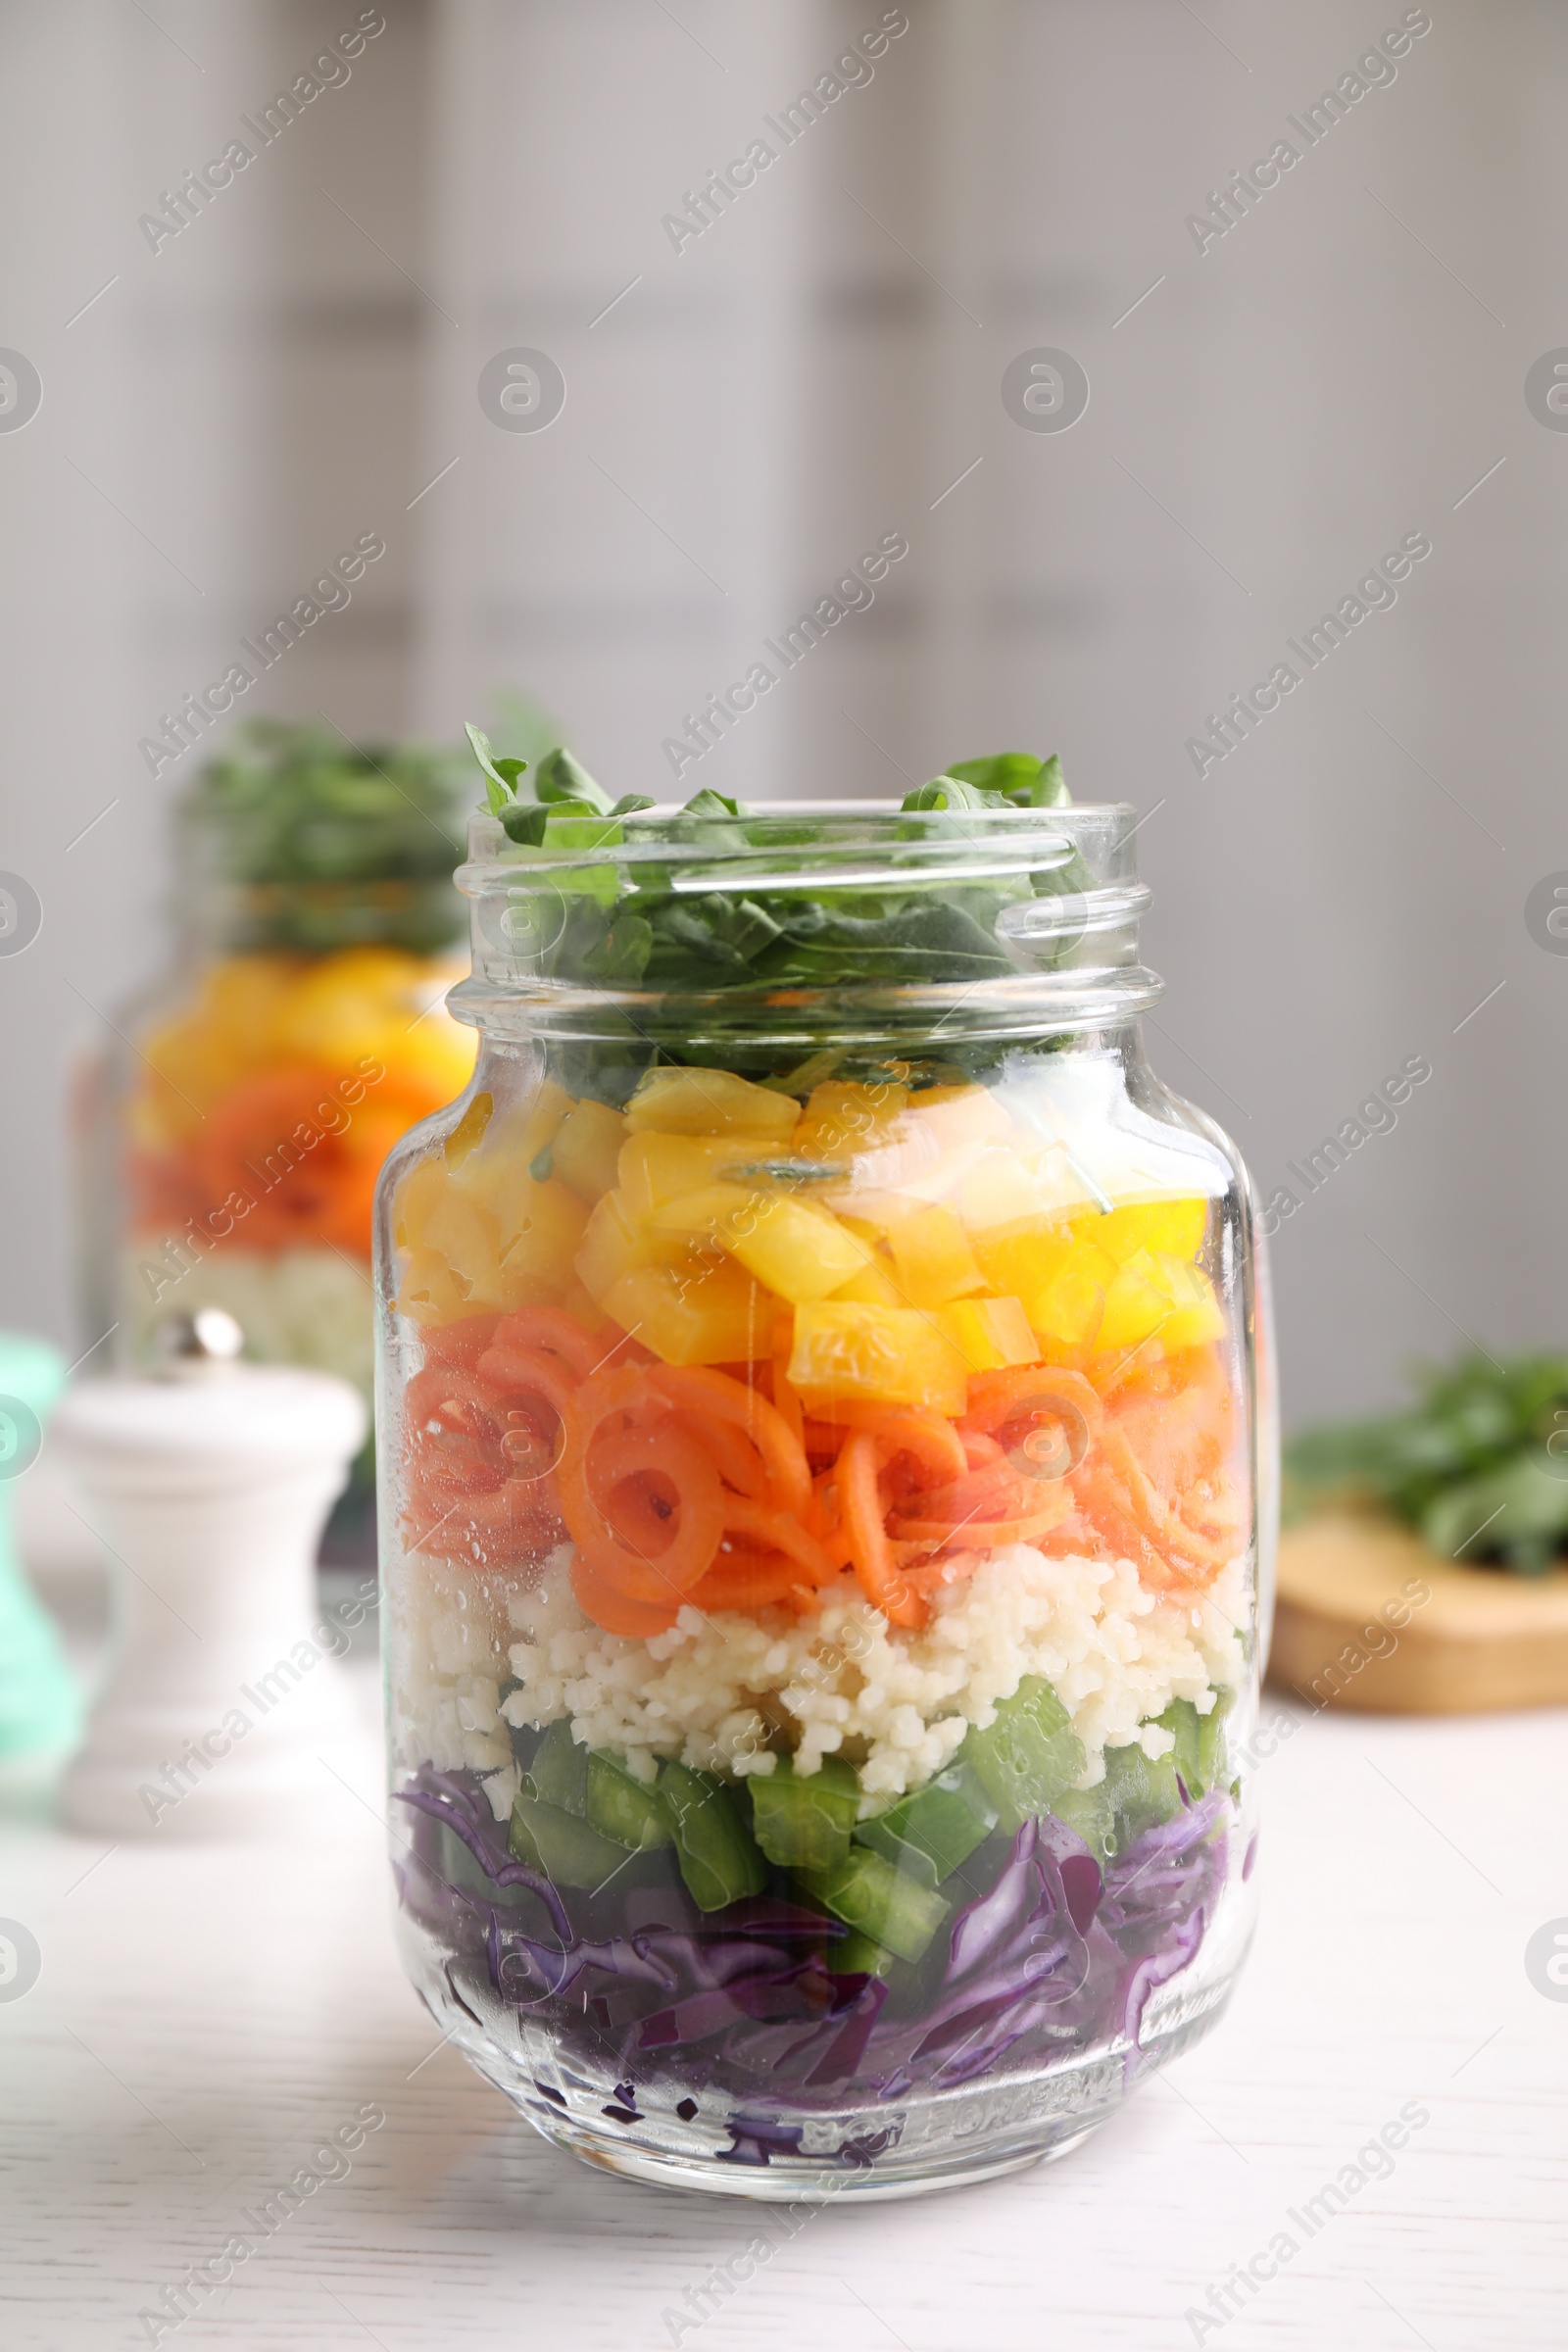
[(1156, 1296), (799, 1252), (608, 1246), (586, 1147), (419, 1194), (1176, 1227), (842, 1117), (355, 1003), (581, 1308), (544, 1224), (1018, 1263), (846, 1352), (875, 1285), (1069, 1304), (655, 1168), (513, 1143), (613, 1243), (1000, 1200), (933, 1258), (464, 1235), (992, 1333), (1136, 1305), (696, 1102), (538, 1228), (241, 1001), (429, 1292), (694, 1315), (1197, 1315), (959, 1115), (469, 1133)]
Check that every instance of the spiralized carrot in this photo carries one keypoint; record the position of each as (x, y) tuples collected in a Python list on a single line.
[(448, 1390), (452, 1437), (1214, 1508), (778, 1532), (637, 1499), (1181, 1435), (994, 1532), (1108, 1509), (610, 1503), (552, 1328), (460, 1342), (824, 1518), (786, 1398), (989, 1494), (610, 1608), (1153, 1515), (929, 1576), (729, 1400), (733, 1455), (528, 1371), (714, 1486), (496, 1523), (995, 1398), (860, 1501), (933, 1442), (749, 1580), (617, 1388)]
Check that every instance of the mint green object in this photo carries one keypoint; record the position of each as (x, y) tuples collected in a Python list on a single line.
[(40, 1705)]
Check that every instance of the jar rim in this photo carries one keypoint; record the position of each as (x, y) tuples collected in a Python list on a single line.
[(713, 852), (797, 898)]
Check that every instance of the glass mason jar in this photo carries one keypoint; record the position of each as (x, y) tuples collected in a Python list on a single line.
[(238, 1122), (820, 1457)]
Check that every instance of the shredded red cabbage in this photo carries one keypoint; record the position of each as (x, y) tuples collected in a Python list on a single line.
[(1054, 1954)]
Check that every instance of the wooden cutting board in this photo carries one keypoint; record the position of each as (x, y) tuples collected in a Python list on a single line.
[(1367, 1617)]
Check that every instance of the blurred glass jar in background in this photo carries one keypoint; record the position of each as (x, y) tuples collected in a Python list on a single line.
[(238, 1122)]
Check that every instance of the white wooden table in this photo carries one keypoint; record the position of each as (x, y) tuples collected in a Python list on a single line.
[(204, 2017)]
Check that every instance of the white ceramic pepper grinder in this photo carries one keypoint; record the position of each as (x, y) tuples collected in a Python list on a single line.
[(210, 1482)]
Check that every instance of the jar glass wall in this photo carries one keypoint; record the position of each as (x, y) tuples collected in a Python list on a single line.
[(820, 1458)]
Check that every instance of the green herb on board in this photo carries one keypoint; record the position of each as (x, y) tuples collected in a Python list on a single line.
[(1479, 1467)]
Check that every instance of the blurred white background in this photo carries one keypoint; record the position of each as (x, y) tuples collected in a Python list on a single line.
[(744, 415)]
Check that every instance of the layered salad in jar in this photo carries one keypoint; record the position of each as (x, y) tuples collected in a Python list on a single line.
[(305, 1035), (819, 1561)]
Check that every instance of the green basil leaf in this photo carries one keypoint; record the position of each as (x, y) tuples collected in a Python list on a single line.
[(560, 776), (524, 821), (694, 939), (499, 785), (1051, 786), (713, 804), (622, 954), (1012, 773), (1019, 777), (947, 791), (561, 825)]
